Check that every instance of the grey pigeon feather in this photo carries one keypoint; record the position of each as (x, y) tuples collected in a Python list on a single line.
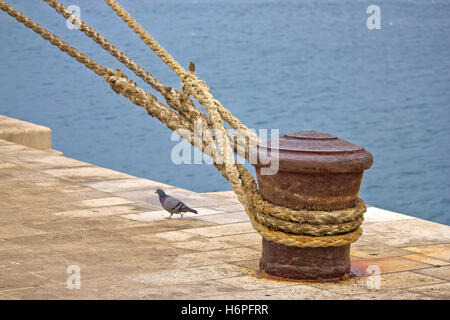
[(172, 204)]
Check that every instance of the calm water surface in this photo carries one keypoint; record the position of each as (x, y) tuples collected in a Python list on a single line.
[(292, 65)]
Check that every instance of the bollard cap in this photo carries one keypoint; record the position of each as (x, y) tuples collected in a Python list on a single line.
[(312, 151)]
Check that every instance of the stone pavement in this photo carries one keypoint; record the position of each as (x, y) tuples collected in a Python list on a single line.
[(57, 212)]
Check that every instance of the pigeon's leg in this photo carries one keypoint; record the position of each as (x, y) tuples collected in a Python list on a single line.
[(169, 217), (181, 215)]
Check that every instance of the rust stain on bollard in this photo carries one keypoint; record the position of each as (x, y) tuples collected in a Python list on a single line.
[(317, 171)]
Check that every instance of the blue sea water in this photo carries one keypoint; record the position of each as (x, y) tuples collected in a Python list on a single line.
[(292, 65)]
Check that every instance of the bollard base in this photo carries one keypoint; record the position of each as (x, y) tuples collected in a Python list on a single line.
[(305, 263)]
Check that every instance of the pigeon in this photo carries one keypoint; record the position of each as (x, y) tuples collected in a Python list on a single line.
[(173, 205)]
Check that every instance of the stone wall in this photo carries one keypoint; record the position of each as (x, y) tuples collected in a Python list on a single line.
[(25, 133)]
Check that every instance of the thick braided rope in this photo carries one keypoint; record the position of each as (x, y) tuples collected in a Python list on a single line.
[(47, 35), (247, 193), (180, 101), (176, 99), (119, 84), (147, 38), (275, 223), (273, 231), (192, 85), (108, 46), (167, 92), (172, 63)]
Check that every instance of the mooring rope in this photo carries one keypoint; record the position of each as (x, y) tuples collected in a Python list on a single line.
[(171, 62), (300, 228)]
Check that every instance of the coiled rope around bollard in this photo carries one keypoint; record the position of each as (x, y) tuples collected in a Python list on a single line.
[(299, 228)]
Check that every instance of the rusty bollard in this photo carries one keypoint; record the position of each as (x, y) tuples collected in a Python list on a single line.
[(317, 171)]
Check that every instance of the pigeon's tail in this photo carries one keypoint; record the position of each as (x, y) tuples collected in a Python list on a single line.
[(191, 210)]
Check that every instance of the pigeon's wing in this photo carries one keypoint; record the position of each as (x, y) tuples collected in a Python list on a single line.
[(173, 205)]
